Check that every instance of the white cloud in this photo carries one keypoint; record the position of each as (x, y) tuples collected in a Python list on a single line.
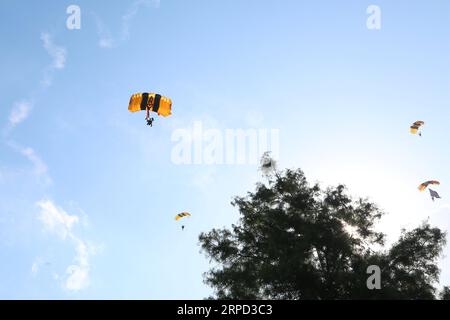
[(36, 266), (40, 169), (38, 263), (57, 53), (56, 220), (19, 112), (60, 223), (131, 13), (78, 278), (105, 43), (106, 40), (21, 109), (78, 274)]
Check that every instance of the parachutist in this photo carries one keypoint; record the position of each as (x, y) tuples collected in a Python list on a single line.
[(415, 127), (150, 102), (434, 195), (182, 215)]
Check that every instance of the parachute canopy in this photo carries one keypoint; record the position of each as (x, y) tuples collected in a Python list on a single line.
[(424, 185), (182, 215), (416, 126), (267, 164), (151, 102)]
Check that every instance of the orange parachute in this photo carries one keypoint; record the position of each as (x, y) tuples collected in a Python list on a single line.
[(181, 215), (424, 185), (150, 102), (414, 129)]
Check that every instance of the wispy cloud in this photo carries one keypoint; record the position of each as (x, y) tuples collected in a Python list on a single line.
[(22, 108), (78, 273), (131, 13), (55, 220), (57, 53), (40, 169), (106, 40), (35, 266), (38, 263), (58, 222), (19, 112)]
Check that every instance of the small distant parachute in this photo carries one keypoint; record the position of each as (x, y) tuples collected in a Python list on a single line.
[(182, 215), (424, 185), (267, 164), (150, 102), (415, 127), (434, 194)]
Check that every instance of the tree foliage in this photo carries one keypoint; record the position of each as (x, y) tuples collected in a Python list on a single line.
[(296, 241)]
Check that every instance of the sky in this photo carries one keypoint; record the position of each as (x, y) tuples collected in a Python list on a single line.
[(88, 192)]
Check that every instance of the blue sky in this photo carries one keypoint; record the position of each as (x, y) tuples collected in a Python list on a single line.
[(88, 193)]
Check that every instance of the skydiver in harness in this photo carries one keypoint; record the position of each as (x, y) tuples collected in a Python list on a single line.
[(150, 121), (147, 109)]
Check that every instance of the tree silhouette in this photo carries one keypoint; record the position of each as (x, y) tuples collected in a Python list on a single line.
[(296, 241), (445, 294)]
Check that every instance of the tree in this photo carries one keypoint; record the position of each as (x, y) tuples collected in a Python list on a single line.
[(296, 241), (445, 294)]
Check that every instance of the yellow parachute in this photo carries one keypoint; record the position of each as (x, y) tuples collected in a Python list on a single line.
[(424, 185), (150, 102), (416, 126), (182, 215)]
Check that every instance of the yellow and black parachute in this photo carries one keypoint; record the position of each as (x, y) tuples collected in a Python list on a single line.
[(150, 102), (424, 185), (182, 215), (414, 129)]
